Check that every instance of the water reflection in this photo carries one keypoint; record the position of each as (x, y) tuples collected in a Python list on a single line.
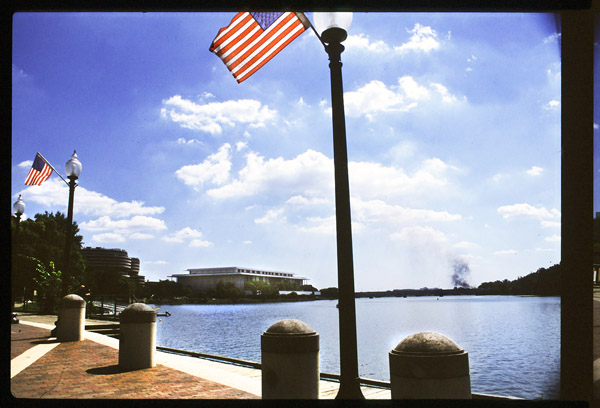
[(513, 342)]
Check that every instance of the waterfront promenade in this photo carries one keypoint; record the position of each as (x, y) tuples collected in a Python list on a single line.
[(41, 367)]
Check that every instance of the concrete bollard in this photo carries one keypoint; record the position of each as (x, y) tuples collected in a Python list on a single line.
[(290, 361), (137, 337), (71, 319), (429, 365)]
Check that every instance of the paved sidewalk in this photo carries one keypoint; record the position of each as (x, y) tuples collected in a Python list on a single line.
[(87, 369), (41, 367), (596, 345)]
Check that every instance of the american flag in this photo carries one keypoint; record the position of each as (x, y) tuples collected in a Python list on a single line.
[(252, 39), (39, 172)]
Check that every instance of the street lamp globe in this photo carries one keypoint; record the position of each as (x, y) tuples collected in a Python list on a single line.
[(73, 167), (19, 207), (333, 27)]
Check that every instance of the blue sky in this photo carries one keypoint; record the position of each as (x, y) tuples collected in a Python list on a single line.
[(453, 130)]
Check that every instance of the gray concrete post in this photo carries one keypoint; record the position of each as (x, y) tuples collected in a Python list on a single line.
[(290, 361), (429, 365), (71, 319), (137, 337)]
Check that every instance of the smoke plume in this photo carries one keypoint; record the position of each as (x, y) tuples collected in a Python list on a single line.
[(460, 274)]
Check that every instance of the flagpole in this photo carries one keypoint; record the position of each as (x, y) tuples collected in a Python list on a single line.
[(48, 163), (307, 22)]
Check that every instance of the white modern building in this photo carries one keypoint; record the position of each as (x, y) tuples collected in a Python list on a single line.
[(202, 279)]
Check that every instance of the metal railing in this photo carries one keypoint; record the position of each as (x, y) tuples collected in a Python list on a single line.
[(106, 306)]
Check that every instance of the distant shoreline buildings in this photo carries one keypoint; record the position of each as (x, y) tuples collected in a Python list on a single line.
[(203, 279), (117, 260)]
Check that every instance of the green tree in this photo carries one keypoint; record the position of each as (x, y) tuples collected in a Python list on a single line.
[(164, 289), (43, 238), (331, 293), (543, 282), (262, 289), (227, 290), (49, 285), (309, 288)]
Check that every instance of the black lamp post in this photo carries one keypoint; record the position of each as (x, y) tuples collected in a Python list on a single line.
[(18, 209), (73, 170), (332, 28)]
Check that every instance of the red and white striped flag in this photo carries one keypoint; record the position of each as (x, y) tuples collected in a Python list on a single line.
[(39, 172), (252, 39)]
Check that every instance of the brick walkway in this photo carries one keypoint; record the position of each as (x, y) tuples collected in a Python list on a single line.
[(87, 369), (24, 337)]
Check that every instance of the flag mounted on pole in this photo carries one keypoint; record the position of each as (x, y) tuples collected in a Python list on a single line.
[(40, 171), (252, 39)]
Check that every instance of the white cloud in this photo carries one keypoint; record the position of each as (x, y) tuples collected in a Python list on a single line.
[(303, 201), (552, 105), (527, 210), (465, 245), (553, 224), (552, 38), (183, 234), (370, 178), (320, 225), (138, 224), (506, 252), (375, 97), (25, 164), (309, 173), (140, 235), (535, 171), (378, 211), (211, 117), (423, 39), (271, 216), (54, 192), (198, 243), (554, 72), (498, 177), (215, 169), (108, 237), (362, 43), (443, 92), (403, 150), (188, 142), (156, 262), (372, 98), (326, 226), (420, 236), (309, 176), (553, 238)]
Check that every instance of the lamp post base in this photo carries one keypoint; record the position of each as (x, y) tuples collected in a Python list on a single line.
[(350, 390)]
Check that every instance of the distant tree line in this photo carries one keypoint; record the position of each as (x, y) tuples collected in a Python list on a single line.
[(166, 291), (543, 282)]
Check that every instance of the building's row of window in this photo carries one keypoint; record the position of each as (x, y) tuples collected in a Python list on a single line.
[(265, 273)]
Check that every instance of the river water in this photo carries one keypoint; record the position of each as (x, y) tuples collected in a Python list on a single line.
[(513, 342)]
